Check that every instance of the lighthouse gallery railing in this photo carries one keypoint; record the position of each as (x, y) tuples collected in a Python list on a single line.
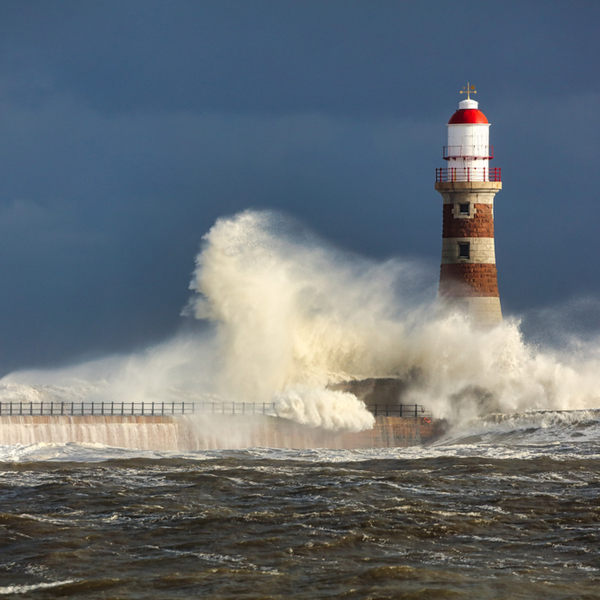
[(445, 175)]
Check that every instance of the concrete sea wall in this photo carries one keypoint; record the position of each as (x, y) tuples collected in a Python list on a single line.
[(207, 432)]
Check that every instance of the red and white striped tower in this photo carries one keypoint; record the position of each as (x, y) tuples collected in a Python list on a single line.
[(468, 185)]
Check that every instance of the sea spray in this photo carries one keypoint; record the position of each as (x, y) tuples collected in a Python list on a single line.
[(470, 372), (177, 370), (288, 313), (318, 407), (531, 428), (289, 310)]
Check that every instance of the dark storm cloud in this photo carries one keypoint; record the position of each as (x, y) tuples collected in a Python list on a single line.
[(127, 128), (296, 56)]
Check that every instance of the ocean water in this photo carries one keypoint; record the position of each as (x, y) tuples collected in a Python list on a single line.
[(506, 506)]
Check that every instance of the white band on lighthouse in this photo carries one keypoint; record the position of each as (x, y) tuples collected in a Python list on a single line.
[(478, 250)]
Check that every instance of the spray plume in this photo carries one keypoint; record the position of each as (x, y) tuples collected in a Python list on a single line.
[(291, 312), (291, 315)]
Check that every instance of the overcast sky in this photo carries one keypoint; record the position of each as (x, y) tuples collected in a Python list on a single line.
[(127, 127)]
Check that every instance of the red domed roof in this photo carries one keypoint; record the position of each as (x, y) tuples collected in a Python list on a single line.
[(467, 115)]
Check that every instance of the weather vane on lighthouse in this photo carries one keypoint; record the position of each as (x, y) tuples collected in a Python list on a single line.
[(470, 89)]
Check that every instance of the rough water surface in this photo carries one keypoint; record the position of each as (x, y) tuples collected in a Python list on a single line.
[(501, 512)]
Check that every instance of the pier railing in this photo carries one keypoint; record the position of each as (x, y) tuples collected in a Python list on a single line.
[(398, 410), (140, 409), (148, 409)]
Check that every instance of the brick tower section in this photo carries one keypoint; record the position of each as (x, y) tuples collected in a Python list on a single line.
[(468, 276)]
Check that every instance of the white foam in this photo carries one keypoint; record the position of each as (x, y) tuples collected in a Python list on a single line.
[(290, 311), (23, 589), (317, 407)]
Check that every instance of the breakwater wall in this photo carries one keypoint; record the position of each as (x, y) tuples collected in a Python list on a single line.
[(210, 431)]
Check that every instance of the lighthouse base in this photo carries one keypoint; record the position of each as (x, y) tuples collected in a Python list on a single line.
[(482, 310)]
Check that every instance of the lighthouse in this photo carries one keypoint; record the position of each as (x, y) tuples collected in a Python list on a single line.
[(468, 278)]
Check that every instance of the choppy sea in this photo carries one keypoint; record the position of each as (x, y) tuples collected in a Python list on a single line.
[(507, 506)]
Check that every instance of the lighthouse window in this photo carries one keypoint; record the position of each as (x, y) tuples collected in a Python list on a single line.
[(464, 208), (464, 250)]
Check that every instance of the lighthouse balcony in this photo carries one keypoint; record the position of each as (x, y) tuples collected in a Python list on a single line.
[(467, 174), (474, 152)]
